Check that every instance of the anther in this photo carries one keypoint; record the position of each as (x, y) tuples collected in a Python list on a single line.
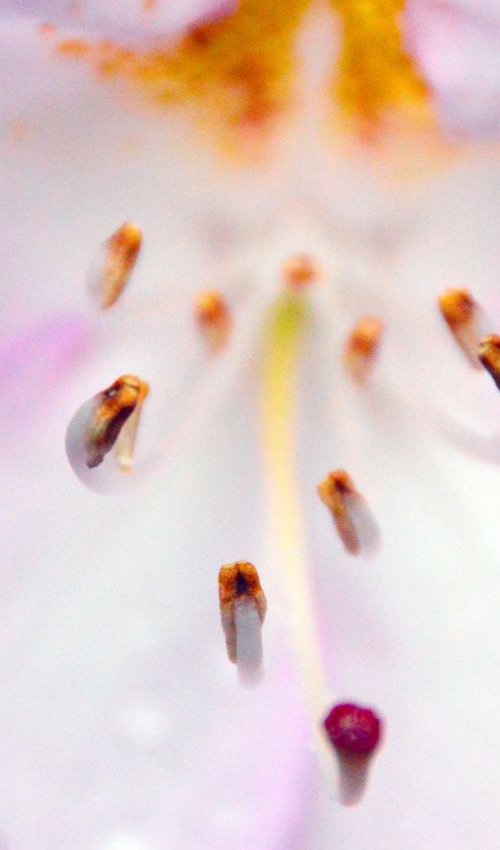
[(213, 318), (463, 316), (362, 347), (356, 525), (299, 271), (355, 733), (115, 264), (243, 609), (489, 355), (105, 420)]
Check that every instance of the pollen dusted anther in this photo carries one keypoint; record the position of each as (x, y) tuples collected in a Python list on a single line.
[(109, 423), (362, 347), (299, 271), (115, 264), (353, 520), (462, 313), (243, 609), (489, 355), (213, 318)]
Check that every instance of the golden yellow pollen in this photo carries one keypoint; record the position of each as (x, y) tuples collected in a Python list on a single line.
[(362, 347), (120, 256), (213, 318), (339, 495), (238, 70), (461, 313), (489, 355), (238, 582), (376, 76), (299, 271)]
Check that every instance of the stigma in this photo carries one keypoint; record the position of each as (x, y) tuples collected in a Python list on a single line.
[(463, 316), (243, 608), (213, 318), (114, 265), (489, 356), (355, 524), (362, 347), (355, 733), (108, 419)]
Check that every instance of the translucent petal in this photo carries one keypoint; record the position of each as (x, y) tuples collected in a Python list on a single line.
[(456, 44), (120, 19)]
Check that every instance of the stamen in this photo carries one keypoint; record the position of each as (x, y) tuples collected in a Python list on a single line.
[(299, 271), (356, 525), (362, 347), (243, 609), (355, 734), (115, 265), (462, 315), (213, 318), (125, 444), (489, 355), (98, 424)]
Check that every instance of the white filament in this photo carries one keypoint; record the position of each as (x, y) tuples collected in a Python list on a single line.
[(248, 640)]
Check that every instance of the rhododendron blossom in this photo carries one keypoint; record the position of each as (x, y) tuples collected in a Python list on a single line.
[(250, 436)]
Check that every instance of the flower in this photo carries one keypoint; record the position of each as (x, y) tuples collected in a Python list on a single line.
[(123, 723)]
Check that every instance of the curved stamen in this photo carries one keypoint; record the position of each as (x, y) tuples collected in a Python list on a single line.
[(489, 355), (114, 265), (462, 315), (362, 347), (108, 419), (213, 318), (356, 525)]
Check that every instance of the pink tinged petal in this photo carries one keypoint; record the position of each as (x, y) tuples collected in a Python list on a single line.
[(456, 45), (35, 365), (120, 19)]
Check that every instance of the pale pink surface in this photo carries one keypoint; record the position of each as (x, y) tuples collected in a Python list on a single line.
[(122, 723), (455, 43), (127, 20)]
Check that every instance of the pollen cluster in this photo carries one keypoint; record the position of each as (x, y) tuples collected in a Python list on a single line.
[(238, 71), (375, 75), (239, 67)]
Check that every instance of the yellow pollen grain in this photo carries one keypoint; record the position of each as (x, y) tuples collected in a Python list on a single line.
[(375, 76), (238, 72), (238, 68)]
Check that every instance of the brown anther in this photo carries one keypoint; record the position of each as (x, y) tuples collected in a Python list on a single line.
[(340, 496), (461, 313), (362, 347), (121, 253), (299, 271), (489, 355), (213, 318), (114, 407), (238, 582)]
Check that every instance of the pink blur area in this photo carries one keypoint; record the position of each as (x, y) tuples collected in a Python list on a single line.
[(36, 362), (456, 46)]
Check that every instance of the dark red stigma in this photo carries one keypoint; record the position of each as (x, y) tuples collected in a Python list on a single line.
[(352, 729)]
